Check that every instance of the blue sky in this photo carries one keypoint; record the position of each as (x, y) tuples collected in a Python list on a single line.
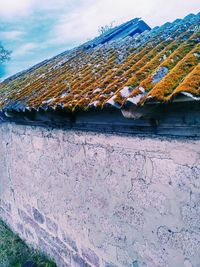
[(39, 29)]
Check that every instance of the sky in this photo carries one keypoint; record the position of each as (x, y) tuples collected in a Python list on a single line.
[(38, 29)]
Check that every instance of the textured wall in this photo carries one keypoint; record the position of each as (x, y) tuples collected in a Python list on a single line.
[(102, 200)]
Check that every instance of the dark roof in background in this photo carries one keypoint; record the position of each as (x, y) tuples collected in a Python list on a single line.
[(129, 28), (130, 64)]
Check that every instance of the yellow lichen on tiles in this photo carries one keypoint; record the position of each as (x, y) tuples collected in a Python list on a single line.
[(176, 75), (111, 82), (87, 80), (172, 60), (149, 62), (147, 68), (191, 83)]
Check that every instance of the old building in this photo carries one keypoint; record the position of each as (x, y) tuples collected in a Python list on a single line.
[(100, 149)]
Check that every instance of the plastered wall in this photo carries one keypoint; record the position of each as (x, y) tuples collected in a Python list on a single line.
[(102, 200)]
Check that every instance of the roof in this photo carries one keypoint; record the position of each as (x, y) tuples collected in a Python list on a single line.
[(129, 65)]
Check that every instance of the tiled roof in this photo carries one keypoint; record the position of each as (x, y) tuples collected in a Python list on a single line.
[(154, 65)]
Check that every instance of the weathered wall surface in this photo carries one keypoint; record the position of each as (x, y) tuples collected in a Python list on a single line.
[(102, 200)]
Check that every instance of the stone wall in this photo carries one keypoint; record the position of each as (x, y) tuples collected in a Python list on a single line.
[(102, 200)]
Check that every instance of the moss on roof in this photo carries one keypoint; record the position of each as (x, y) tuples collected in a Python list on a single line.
[(156, 64)]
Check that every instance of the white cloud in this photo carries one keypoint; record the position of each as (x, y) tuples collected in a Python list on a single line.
[(10, 8), (102, 11), (22, 8), (10, 35), (83, 22), (24, 49)]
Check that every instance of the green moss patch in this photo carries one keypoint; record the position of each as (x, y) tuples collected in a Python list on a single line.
[(15, 253)]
